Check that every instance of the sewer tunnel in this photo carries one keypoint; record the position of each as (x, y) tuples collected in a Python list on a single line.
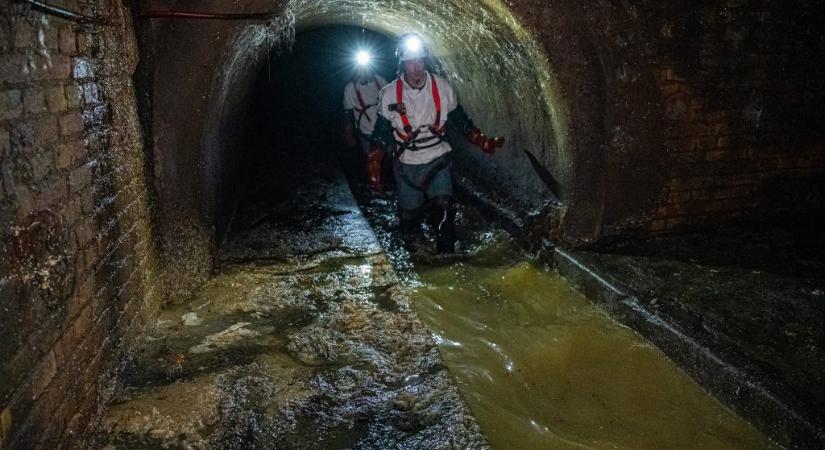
[(133, 138)]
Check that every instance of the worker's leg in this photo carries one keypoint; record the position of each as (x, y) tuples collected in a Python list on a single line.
[(410, 201), (440, 191)]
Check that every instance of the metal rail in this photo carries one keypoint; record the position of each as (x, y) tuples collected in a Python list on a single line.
[(202, 15), (63, 13)]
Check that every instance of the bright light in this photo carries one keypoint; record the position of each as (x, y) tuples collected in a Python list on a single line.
[(363, 58), (413, 44)]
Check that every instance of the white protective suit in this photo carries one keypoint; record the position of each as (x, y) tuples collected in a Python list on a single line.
[(421, 113), (364, 117)]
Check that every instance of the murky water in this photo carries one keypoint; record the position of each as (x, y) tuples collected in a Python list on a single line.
[(544, 369)]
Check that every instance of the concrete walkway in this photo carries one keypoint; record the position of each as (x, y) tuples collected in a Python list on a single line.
[(304, 339), (746, 325)]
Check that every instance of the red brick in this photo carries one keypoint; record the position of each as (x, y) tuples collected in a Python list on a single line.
[(84, 40), (59, 67), (5, 143), (71, 123), (67, 154), (74, 96), (81, 177), (24, 34), (45, 130), (41, 164), (11, 104), (14, 69), (68, 44), (56, 99), (54, 195)]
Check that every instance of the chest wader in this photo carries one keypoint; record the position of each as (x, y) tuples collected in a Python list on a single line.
[(442, 217)]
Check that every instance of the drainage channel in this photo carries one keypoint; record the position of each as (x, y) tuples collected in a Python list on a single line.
[(540, 366)]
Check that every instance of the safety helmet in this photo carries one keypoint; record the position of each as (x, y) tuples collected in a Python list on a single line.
[(410, 46)]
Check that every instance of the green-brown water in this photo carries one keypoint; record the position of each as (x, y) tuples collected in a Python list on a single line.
[(544, 369)]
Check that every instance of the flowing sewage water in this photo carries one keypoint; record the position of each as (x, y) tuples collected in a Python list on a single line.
[(543, 368)]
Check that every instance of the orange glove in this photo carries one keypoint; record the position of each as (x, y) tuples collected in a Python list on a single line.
[(375, 158), (487, 145)]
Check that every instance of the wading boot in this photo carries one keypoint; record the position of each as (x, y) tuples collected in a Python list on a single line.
[(445, 231), (408, 226)]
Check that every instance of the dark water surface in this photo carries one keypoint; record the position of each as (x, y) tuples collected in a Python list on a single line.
[(544, 369)]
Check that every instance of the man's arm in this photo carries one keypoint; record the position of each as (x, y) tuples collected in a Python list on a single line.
[(458, 119), (382, 133)]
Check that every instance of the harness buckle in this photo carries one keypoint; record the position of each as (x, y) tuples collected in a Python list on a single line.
[(399, 107)]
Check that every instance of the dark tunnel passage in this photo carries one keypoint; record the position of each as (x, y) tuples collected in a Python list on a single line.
[(295, 119)]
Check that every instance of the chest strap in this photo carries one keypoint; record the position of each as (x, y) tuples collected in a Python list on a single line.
[(409, 135), (362, 111)]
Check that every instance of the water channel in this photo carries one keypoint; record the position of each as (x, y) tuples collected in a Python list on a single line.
[(542, 367)]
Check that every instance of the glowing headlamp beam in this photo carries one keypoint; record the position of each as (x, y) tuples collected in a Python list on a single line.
[(363, 57), (413, 44)]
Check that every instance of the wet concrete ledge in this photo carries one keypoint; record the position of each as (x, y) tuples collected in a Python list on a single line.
[(304, 338), (754, 389)]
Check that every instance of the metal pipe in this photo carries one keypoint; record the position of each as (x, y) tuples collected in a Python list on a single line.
[(63, 13), (201, 15)]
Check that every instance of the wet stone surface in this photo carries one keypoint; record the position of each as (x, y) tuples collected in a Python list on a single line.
[(303, 341)]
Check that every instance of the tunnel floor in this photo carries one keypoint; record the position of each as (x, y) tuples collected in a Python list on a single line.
[(303, 339)]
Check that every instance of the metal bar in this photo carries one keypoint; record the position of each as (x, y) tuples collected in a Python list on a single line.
[(201, 15), (63, 13)]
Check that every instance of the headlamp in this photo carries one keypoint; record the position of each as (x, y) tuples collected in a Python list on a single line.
[(363, 58), (413, 44)]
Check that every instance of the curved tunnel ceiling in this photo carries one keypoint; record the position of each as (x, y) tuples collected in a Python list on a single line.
[(500, 71)]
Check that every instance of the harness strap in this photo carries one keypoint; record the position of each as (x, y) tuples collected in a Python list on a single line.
[(409, 134), (363, 110), (437, 100), (399, 99)]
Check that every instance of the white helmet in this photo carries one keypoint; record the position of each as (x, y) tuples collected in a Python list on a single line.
[(411, 46)]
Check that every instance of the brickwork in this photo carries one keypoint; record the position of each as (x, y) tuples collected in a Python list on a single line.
[(76, 248), (743, 86), (737, 85)]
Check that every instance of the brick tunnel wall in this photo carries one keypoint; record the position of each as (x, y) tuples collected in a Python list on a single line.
[(744, 85), (76, 246), (721, 98)]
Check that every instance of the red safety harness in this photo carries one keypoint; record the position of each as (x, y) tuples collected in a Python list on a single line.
[(408, 136), (362, 111)]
